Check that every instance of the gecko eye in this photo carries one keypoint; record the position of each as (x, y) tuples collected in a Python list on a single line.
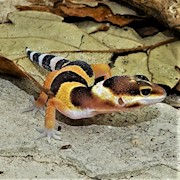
[(146, 91)]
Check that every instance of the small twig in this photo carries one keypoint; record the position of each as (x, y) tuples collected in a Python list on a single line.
[(119, 51), (116, 51)]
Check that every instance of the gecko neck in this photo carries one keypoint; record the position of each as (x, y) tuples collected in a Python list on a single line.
[(103, 93)]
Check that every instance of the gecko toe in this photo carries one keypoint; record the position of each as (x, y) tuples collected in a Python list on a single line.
[(33, 108), (56, 137), (49, 133)]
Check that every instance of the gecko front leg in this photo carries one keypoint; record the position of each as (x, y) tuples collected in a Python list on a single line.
[(49, 131)]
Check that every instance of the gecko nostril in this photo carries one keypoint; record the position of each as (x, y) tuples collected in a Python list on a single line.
[(116, 91)]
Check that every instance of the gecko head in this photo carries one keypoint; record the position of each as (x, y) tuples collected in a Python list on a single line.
[(130, 91)]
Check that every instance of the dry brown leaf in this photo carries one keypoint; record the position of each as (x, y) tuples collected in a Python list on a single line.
[(116, 8), (9, 67), (101, 11)]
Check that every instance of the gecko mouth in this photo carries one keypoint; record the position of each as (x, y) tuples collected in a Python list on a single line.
[(138, 101)]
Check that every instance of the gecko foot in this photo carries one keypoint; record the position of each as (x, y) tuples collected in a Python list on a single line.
[(49, 133), (33, 108)]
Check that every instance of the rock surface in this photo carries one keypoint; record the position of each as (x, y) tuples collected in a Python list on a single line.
[(140, 144)]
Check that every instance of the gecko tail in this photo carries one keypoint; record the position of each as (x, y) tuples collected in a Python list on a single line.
[(48, 61)]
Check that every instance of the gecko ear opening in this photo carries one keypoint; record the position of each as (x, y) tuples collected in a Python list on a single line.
[(121, 102)]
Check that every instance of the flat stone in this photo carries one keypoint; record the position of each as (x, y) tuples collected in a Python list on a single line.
[(139, 144)]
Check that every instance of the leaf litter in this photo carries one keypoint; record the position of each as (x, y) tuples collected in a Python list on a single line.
[(45, 32)]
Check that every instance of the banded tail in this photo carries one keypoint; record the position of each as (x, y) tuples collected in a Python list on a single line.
[(74, 72), (47, 61)]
